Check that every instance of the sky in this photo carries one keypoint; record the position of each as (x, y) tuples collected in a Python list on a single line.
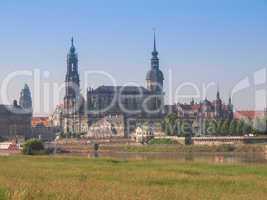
[(200, 43)]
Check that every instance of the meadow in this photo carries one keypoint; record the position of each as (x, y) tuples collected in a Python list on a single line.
[(43, 177)]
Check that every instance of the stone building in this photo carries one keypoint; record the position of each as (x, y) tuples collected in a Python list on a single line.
[(198, 113), (134, 103), (56, 118), (130, 103), (206, 109), (73, 111), (25, 100), (15, 120)]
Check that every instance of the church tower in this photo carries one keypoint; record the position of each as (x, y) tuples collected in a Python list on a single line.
[(154, 82), (72, 97), (218, 106), (154, 77), (230, 109), (72, 79), (25, 100)]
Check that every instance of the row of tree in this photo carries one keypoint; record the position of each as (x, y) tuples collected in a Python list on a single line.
[(172, 125), (227, 127)]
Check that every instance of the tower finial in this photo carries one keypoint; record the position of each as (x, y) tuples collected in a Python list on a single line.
[(218, 91), (72, 41), (72, 48), (154, 52), (155, 47)]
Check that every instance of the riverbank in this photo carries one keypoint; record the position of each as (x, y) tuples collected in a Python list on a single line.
[(246, 148), (139, 148), (46, 177)]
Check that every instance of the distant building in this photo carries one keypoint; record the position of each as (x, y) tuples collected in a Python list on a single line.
[(249, 114), (56, 119), (14, 122), (25, 100), (198, 113), (43, 129), (206, 110), (74, 111), (131, 103), (119, 110), (40, 121)]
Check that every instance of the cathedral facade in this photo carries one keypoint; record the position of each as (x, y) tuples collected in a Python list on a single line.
[(121, 107)]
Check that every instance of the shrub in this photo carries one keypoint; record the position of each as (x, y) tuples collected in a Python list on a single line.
[(162, 141), (3, 194), (2, 139), (33, 147), (188, 140)]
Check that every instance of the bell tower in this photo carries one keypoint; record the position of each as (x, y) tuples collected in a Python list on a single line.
[(72, 92), (154, 77), (154, 82)]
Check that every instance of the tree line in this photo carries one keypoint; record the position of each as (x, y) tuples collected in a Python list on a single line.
[(172, 125)]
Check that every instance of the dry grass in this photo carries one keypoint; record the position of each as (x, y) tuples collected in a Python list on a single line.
[(80, 178)]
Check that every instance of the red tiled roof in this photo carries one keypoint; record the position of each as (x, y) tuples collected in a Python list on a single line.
[(248, 114), (40, 121), (196, 107)]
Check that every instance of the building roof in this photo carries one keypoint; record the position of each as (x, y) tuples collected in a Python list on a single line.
[(248, 114), (121, 89), (185, 106), (11, 109), (36, 121), (196, 107)]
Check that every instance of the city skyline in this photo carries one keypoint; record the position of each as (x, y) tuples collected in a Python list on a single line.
[(218, 45)]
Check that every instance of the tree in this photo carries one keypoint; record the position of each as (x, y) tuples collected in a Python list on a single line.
[(33, 147), (240, 127), (170, 124), (232, 128), (219, 127), (206, 127), (212, 129), (225, 128), (260, 125)]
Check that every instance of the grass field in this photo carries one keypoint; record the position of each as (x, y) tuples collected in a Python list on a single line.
[(80, 178)]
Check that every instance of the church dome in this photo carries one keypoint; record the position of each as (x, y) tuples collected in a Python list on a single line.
[(154, 75)]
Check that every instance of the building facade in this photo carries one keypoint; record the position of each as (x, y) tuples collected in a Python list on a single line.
[(198, 113), (16, 119), (73, 101), (115, 104)]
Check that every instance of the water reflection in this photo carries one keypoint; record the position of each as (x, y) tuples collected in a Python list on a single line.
[(218, 158)]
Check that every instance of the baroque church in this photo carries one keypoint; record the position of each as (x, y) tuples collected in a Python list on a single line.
[(121, 109)]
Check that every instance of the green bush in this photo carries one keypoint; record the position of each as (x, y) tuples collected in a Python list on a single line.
[(2, 139), (33, 147), (2, 194), (162, 141)]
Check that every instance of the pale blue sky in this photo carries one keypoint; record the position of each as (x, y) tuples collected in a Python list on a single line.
[(200, 41)]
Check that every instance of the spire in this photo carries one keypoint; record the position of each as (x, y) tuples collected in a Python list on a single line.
[(155, 52), (26, 87), (72, 64), (218, 92), (155, 48), (72, 48), (72, 41), (25, 100)]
